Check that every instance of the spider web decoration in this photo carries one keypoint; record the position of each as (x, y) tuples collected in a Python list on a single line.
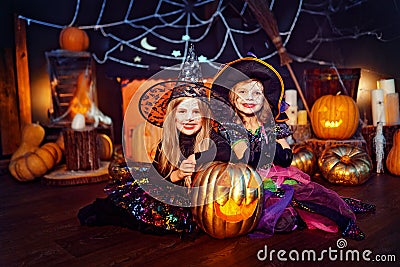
[(145, 36)]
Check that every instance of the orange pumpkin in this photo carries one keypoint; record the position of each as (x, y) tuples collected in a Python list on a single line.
[(30, 161), (227, 199), (335, 117), (74, 39), (393, 158)]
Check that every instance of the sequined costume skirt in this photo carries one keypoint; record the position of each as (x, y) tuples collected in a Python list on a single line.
[(127, 192)]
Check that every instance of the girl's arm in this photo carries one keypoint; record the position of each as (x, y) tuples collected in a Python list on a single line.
[(220, 152), (283, 153)]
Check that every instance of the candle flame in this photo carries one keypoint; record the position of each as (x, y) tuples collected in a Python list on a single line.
[(81, 101)]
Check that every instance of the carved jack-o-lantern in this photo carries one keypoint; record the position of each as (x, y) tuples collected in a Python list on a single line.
[(228, 199), (334, 117)]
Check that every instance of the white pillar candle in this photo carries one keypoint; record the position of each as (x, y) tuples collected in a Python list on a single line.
[(387, 85), (378, 107), (302, 117), (291, 97), (392, 109), (291, 112)]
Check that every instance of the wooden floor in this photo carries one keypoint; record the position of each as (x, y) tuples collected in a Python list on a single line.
[(39, 227)]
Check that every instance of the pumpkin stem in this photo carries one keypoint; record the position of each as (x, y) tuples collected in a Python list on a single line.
[(345, 159)]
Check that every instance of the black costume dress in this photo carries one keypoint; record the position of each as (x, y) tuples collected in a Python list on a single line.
[(131, 202)]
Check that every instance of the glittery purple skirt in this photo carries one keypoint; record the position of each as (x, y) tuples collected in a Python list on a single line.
[(132, 190)]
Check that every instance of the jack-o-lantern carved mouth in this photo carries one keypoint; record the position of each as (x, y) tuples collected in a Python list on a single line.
[(232, 212), (331, 124)]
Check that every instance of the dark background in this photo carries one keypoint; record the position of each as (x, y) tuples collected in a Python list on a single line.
[(345, 34)]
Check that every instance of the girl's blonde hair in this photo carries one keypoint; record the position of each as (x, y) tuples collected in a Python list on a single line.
[(263, 115), (170, 155)]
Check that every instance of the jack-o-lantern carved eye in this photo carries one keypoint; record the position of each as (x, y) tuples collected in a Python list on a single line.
[(231, 204), (334, 117), (237, 199), (323, 109)]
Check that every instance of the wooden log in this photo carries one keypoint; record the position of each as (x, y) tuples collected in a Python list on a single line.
[(81, 150), (63, 177), (21, 60)]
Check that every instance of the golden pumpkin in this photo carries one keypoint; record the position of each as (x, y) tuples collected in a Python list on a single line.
[(345, 165), (227, 199), (393, 158), (304, 159), (29, 160), (335, 117), (74, 39)]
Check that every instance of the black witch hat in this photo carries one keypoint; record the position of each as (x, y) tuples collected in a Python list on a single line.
[(154, 101), (252, 68)]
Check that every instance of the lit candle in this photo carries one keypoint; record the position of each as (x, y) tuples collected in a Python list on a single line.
[(291, 97), (291, 112), (378, 107), (302, 117), (392, 109)]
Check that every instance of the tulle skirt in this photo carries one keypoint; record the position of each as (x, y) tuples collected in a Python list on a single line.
[(317, 206)]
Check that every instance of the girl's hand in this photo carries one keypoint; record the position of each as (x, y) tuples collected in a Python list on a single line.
[(239, 148), (186, 169)]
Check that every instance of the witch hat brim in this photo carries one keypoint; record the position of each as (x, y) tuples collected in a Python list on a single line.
[(154, 101), (252, 68)]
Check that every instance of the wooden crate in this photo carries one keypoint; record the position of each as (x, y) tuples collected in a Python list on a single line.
[(64, 68)]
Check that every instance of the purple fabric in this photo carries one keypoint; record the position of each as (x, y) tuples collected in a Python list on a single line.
[(279, 174), (306, 191), (318, 194), (271, 213)]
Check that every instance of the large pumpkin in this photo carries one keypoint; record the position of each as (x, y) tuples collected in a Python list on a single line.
[(74, 39), (304, 159), (335, 117), (227, 199), (345, 165), (393, 158)]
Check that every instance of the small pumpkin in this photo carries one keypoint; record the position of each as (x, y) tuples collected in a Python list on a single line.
[(304, 159), (393, 158), (74, 39), (345, 165), (227, 199), (29, 160), (335, 117)]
